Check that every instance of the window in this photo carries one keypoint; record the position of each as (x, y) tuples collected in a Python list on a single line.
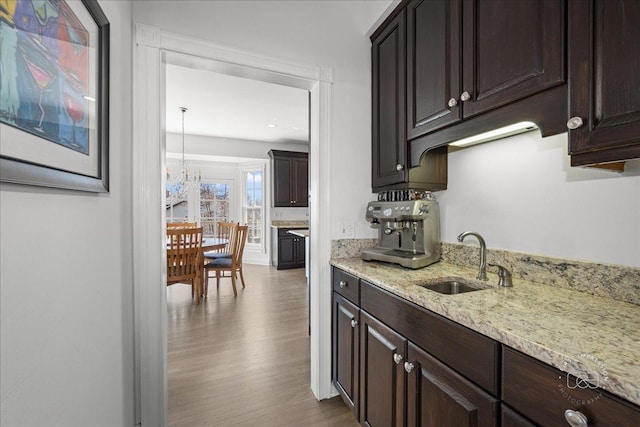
[(253, 206), (214, 205), (177, 203)]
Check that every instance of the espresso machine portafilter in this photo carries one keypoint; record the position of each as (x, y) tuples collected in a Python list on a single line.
[(408, 232)]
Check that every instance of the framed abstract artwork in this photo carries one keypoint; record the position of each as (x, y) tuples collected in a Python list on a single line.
[(54, 94)]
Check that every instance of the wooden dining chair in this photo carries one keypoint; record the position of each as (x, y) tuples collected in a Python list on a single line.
[(184, 257), (224, 230), (232, 265)]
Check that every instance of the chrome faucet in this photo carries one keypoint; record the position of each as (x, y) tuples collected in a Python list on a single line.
[(482, 272)]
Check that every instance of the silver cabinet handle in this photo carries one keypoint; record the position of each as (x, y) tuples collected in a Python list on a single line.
[(574, 122), (343, 284), (576, 418), (408, 366), (464, 96), (452, 102), (354, 323), (399, 167), (397, 358)]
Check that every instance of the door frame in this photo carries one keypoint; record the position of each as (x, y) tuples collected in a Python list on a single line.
[(154, 49)]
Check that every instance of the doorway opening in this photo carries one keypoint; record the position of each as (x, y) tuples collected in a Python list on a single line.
[(155, 49)]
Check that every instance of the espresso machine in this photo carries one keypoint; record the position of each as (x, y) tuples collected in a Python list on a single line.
[(408, 230)]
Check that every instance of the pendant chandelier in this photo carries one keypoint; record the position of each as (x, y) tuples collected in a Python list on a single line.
[(184, 178)]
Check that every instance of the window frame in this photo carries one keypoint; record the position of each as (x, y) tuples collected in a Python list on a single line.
[(231, 201), (244, 171)]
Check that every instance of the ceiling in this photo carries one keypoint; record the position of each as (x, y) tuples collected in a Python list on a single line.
[(226, 106)]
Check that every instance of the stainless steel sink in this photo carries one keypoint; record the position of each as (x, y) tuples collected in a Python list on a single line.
[(451, 287)]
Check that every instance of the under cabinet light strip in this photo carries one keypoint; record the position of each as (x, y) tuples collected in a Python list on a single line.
[(495, 134)]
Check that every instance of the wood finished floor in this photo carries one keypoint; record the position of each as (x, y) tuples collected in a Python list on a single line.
[(244, 361)]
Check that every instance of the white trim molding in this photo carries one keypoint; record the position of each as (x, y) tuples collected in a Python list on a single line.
[(154, 49)]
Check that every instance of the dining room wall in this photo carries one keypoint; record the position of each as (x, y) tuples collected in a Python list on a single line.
[(66, 293)]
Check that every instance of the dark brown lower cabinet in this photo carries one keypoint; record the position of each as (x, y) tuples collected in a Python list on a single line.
[(382, 377), (543, 394), (511, 418), (437, 396), (398, 364), (287, 250), (346, 347)]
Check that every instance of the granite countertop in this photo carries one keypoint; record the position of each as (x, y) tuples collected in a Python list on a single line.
[(304, 232), (290, 224), (582, 334)]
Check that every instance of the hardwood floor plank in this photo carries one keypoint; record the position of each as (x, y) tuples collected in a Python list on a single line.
[(240, 361)]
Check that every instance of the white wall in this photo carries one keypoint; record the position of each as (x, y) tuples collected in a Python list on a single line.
[(66, 294), (520, 193), (305, 32)]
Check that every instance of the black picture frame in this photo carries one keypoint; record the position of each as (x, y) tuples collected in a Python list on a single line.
[(23, 171)]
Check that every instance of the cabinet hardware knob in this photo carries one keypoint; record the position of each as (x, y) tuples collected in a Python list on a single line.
[(399, 167), (397, 358), (464, 96), (354, 323), (575, 418), (574, 122), (408, 366), (452, 102), (343, 284)]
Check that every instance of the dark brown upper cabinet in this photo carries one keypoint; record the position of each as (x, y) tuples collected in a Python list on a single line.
[(511, 50), (465, 58), (604, 81), (388, 55), (433, 65), (290, 178), (390, 161)]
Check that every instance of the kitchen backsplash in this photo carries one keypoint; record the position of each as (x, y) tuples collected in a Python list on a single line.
[(349, 248), (613, 281)]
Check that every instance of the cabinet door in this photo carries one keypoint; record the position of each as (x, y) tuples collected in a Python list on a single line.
[(511, 50), (510, 418), (300, 181), (299, 251), (345, 350), (389, 150), (382, 378), (282, 171), (437, 396), (433, 65), (286, 251), (604, 81)]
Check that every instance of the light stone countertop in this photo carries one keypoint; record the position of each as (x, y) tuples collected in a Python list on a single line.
[(582, 334), (289, 224)]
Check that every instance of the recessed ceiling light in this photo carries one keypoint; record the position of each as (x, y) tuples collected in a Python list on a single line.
[(272, 125)]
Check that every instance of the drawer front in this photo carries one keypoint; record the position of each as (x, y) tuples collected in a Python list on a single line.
[(467, 352), (543, 394), (346, 285)]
